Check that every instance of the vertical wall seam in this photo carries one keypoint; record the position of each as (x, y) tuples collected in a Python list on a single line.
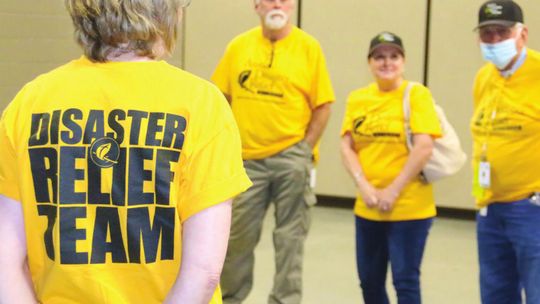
[(427, 42), (183, 40), (299, 13)]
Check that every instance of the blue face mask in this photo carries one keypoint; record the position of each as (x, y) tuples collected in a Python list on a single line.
[(500, 53)]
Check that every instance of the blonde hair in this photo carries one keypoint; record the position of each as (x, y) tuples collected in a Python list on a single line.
[(104, 26)]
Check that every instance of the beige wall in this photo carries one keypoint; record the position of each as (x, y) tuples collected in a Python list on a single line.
[(218, 21), (36, 36), (211, 25)]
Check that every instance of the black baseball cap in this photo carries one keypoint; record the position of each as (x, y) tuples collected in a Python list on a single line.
[(386, 38), (499, 12)]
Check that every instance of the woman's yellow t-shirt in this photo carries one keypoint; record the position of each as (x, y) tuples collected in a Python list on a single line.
[(376, 122), (108, 160)]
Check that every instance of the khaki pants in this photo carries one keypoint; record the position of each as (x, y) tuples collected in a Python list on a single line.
[(284, 180)]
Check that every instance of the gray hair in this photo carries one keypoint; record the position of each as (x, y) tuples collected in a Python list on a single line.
[(102, 26)]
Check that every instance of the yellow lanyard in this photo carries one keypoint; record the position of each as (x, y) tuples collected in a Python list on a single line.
[(489, 125)]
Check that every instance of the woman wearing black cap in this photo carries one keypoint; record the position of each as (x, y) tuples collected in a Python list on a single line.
[(394, 208)]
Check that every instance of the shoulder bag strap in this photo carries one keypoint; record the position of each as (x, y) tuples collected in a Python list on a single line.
[(407, 114)]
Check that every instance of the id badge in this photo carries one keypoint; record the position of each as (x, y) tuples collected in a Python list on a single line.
[(483, 212), (313, 178), (484, 174)]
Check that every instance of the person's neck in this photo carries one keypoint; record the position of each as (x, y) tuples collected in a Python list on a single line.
[(127, 57), (514, 60), (275, 35), (389, 85), (123, 54)]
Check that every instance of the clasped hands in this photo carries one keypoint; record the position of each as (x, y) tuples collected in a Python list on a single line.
[(382, 199)]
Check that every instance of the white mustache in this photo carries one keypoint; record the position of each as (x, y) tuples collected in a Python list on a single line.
[(276, 19), (277, 13)]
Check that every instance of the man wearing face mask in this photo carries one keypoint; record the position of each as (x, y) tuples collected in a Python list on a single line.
[(506, 134), (276, 80)]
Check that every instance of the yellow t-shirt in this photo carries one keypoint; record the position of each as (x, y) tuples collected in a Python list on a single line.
[(273, 88), (108, 160), (512, 138), (376, 122)]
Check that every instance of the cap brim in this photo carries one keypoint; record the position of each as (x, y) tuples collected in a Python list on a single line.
[(400, 49), (496, 22)]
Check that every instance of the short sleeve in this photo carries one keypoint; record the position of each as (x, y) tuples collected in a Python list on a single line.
[(321, 87), (346, 125), (221, 75), (214, 170), (424, 118), (8, 163), (479, 86)]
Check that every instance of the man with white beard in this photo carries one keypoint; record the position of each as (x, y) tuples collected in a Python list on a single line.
[(276, 80)]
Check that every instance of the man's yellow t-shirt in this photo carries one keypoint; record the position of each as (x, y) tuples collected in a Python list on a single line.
[(108, 160), (375, 120), (506, 122), (273, 88)]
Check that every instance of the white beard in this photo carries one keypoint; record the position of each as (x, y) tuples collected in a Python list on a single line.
[(276, 19)]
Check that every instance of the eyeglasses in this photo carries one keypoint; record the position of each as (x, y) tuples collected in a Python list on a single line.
[(490, 33), (185, 3)]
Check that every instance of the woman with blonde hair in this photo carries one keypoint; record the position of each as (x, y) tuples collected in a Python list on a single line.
[(113, 187), (394, 208)]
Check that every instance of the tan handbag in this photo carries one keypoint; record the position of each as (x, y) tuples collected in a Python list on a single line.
[(447, 156)]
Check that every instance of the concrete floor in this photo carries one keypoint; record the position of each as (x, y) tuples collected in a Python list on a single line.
[(449, 270)]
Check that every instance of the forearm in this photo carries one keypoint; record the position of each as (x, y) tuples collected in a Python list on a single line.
[(194, 285), (354, 167), (350, 161), (317, 124), (418, 157), (204, 245), (15, 282)]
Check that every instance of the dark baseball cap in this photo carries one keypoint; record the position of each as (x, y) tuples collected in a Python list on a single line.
[(386, 38), (499, 12)]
